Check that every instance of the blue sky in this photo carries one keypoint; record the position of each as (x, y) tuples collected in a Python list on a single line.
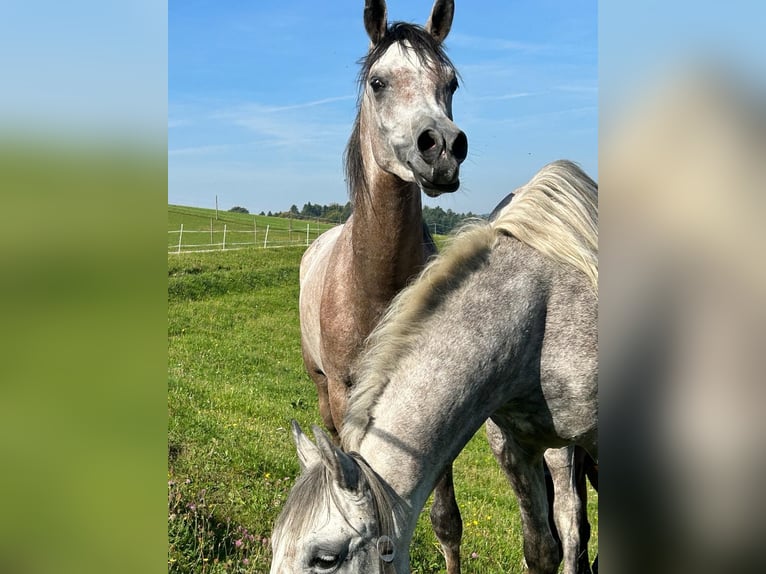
[(262, 96)]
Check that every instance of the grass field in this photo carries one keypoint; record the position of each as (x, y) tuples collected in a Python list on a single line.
[(236, 379), (204, 229)]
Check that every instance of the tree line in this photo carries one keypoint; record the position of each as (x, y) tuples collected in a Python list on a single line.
[(437, 219)]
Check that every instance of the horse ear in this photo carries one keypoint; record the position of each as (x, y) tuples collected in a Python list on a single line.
[(308, 453), (440, 20), (375, 19), (343, 468)]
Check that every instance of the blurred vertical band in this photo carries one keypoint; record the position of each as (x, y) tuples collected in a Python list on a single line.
[(682, 155), (83, 170)]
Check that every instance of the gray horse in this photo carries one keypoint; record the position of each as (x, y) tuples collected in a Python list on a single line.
[(503, 325)]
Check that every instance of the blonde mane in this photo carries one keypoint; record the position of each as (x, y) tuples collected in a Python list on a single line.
[(556, 213)]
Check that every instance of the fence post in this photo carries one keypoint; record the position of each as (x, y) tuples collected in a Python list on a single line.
[(180, 238), (211, 232), (308, 226), (290, 231), (224, 237), (255, 231), (266, 239)]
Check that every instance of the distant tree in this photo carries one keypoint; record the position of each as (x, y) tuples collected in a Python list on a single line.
[(333, 212), (294, 210), (440, 221), (238, 209), (333, 215), (261, 213), (310, 210), (269, 214)]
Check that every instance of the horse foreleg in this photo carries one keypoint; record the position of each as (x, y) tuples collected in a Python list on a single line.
[(446, 521), (325, 408), (323, 393), (525, 473), (569, 509)]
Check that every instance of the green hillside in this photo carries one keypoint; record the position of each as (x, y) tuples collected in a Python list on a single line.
[(204, 230)]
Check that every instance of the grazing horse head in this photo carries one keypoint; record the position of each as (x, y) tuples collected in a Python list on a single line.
[(340, 517), (405, 104)]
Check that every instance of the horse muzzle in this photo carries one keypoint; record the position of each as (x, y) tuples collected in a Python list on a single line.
[(435, 163)]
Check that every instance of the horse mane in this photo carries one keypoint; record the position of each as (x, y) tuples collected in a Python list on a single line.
[(313, 493), (430, 55), (555, 213)]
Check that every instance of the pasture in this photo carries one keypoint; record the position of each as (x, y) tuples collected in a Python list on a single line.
[(235, 380), (199, 229)]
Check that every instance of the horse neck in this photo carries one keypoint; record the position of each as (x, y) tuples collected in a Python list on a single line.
[(469, 355), (410, 441), (387, 231), (433, 403)]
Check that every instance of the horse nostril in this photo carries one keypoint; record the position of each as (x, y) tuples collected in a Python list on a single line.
[(460, 147), (426, 141)]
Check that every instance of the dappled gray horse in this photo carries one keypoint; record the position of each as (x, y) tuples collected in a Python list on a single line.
[(566, 470), (403, 141), (503, 325)]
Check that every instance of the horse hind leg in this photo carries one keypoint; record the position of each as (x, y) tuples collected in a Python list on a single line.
[(590, 469), (447, 522), (525, 473)]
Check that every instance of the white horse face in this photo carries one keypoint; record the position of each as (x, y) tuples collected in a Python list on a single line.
[(406, 108), (338, 539), (331, 521)]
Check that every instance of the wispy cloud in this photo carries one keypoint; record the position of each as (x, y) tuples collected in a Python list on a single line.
[(510, 96), (278, 129), (310, 104), (264, 134), (260, 108)]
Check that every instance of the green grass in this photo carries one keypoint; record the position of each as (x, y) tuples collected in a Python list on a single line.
[(203, 229), (236, 379)]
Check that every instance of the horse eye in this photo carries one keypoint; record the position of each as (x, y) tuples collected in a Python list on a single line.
[(377, 84), (325, 562), (453, 85)]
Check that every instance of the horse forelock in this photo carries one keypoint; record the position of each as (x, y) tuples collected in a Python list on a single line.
[(555, 213), (313, 494), (308, 497), (413, 38), (430, 54)]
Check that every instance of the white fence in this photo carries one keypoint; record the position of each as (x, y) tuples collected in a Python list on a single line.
[(193, 241)]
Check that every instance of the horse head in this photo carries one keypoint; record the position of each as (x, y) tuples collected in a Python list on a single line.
[(340, 517), (406, 88)]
